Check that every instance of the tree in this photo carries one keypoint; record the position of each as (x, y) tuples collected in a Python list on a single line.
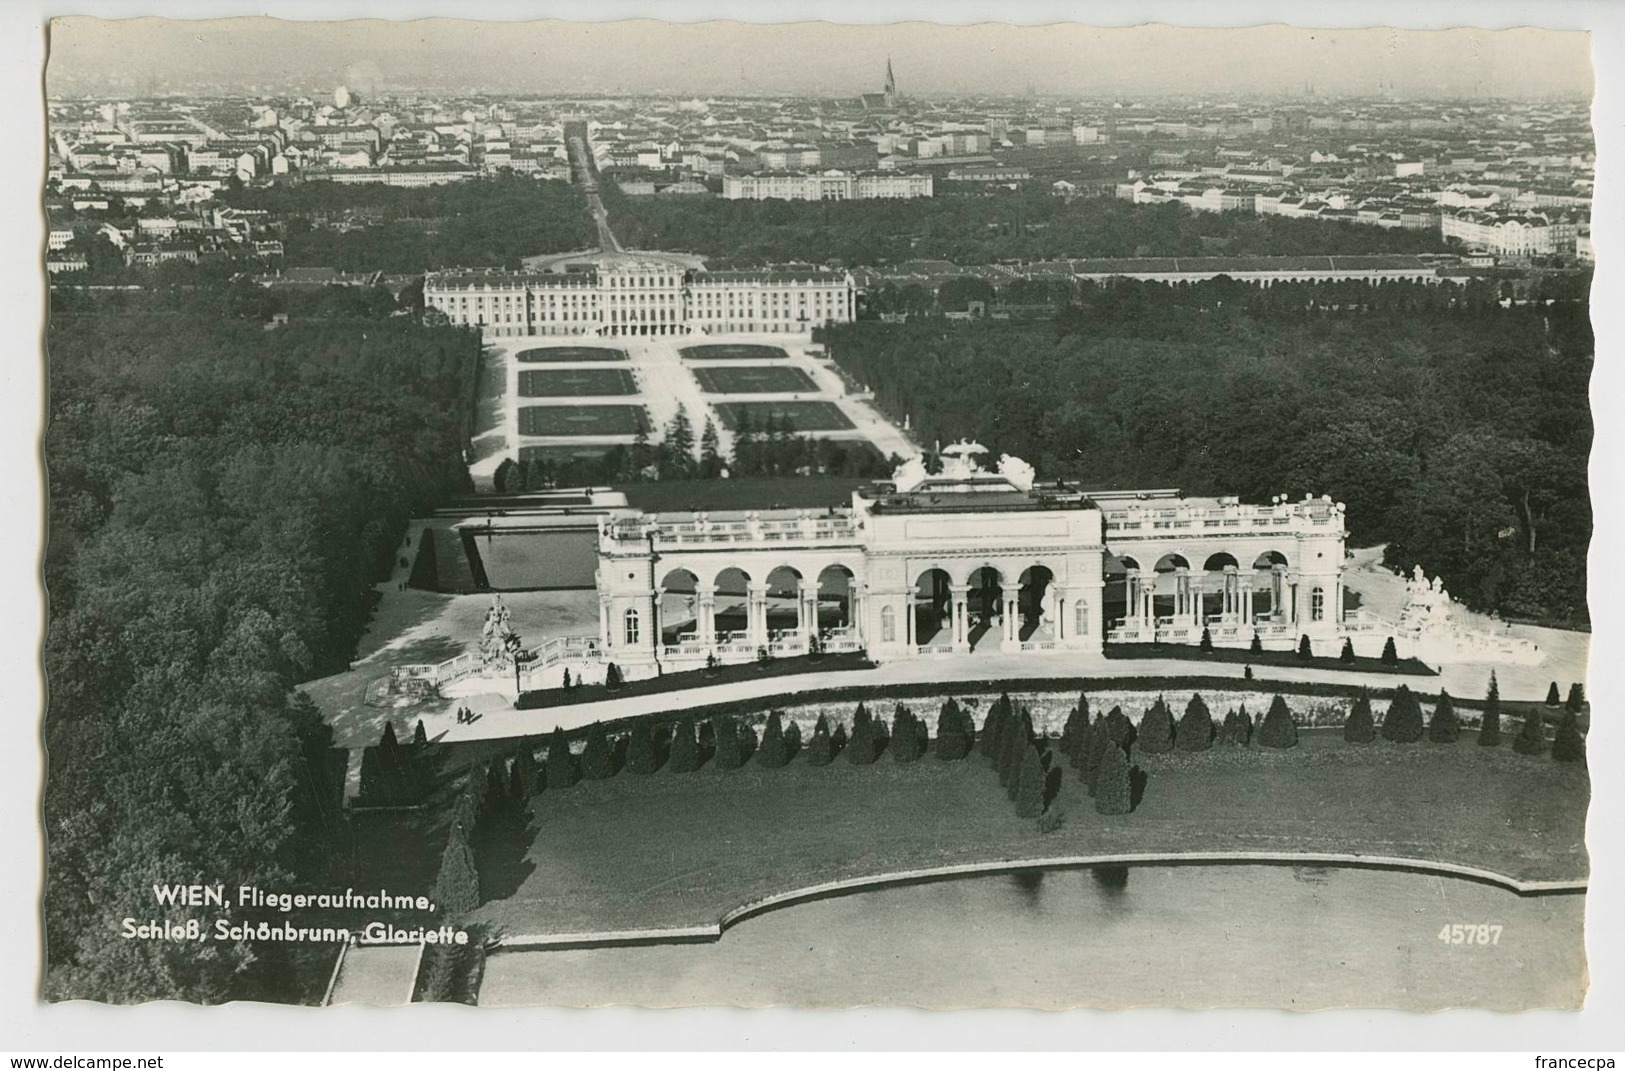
[(1445, 727), (1077, 722), (1576, 700), (499, 478), (1114, 789), (561, 765), (1346, 656), (860, 750), (420, 737), (524, 775), (725, 732), (1278, 730), (710, 451), (1553, 697), (819, 749), (1257, 646), (1238, 728), (1119, 727), (612, 677), (567, 678), (1531, 739), (951, 742), (1568, 745), (1306, 652), (905, 735), (773, 753), (1100, 741), (1018, 733), (685, 752), (457, 885), (1030, 784), (992, 725), (597, 759), (1079, 755), (1360, 727), (1156, 733), (1196, 727), (1489, 729), (1403, 722), (640, 748), (1206, 643), (1390, 656)]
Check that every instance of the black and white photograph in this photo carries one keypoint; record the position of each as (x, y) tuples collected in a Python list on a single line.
[(816, 514)]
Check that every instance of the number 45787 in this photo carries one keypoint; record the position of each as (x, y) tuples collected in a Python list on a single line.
[(1467, 933)]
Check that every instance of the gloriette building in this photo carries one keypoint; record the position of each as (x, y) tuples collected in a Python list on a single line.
[(967, 561)]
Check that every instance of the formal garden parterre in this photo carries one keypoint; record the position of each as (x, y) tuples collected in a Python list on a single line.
[(576, 383), (733, 351), (544, 420), (754, 379), (566, 354), (799, 416)]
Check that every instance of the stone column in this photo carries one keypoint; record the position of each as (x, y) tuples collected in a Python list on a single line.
[(705, 628), (756, 616), (960, 631), (1246, 594), (1063, 606)]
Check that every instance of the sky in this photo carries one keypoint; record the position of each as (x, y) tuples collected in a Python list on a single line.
[(815, 59)]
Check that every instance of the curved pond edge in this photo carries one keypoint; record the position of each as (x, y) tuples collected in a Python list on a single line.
[(708, 932)]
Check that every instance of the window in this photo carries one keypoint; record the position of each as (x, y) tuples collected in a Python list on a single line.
[(1080, 625), (888, 625), (1317, 604), (633, 627)]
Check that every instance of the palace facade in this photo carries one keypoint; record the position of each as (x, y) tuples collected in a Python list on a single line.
[(969, 560), (623, 295)]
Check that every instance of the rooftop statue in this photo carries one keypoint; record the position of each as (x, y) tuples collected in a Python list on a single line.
[(1018, 472), (910, 474)]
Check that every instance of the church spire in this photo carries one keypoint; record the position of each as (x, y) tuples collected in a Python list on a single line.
[(891, 82)]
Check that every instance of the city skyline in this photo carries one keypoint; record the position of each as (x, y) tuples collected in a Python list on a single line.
[(554, 57)]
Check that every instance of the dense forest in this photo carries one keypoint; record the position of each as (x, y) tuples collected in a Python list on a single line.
[(222, 499), (1457, 432), (1005, 225), (487, 223)]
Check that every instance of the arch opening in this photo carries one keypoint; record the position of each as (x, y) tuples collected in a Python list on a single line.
[(932, 609)]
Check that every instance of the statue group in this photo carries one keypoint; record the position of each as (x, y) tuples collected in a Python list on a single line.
[(494, 636)]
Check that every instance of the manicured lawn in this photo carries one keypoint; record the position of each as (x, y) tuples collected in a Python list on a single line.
[(799, 492), (560, 354), (802, 416), (576, 383), (554, 454), (667, 850), (554, 559), (1192, 653), (676, 682), (733, 351), (582, 419), (748, 379)]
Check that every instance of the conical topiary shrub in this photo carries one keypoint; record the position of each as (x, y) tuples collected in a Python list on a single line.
[(1278, 730), (1195, 727), (1114, 786), (685, 751), (1403, 723), (1531, 739), (1360, 727), (1030, 785), (1156, 733), (1489, 728), (1568, 745), (1445, 727), (819, 749), (1238, 728)]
